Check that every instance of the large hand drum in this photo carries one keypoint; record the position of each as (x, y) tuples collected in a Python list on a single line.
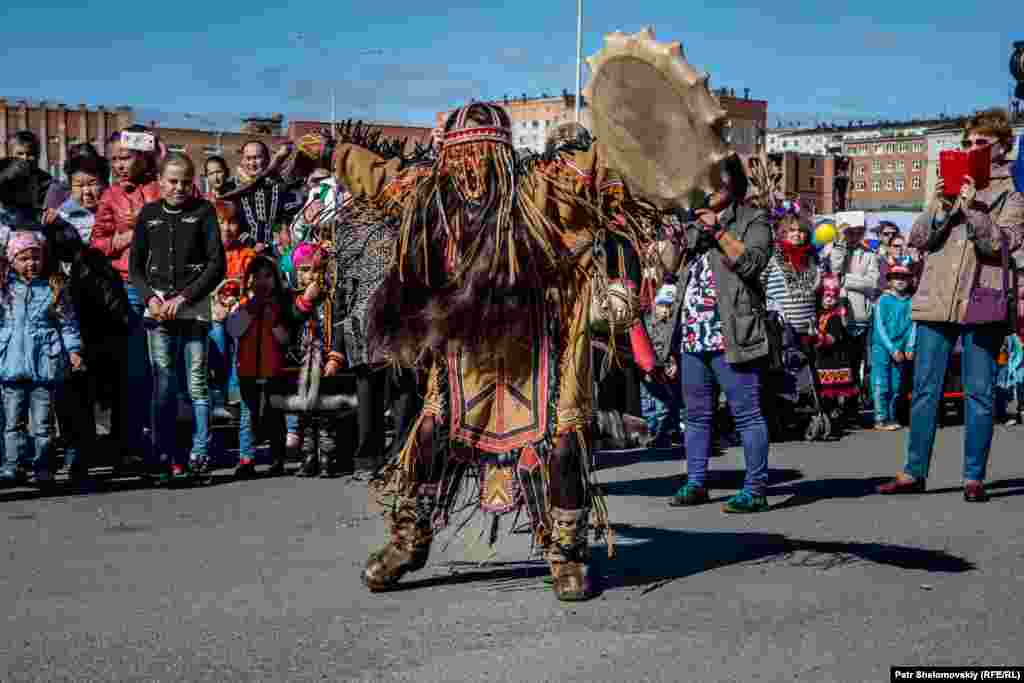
[(656, 119)]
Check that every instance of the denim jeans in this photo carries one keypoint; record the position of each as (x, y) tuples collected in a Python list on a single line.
[(136, 380), (259, 418), (174, 347), (223, 363), (702, 374), (22, 400), (886, 379), (669, 414), (979, 364)]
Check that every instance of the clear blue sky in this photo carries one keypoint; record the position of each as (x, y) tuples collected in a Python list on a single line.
[(403, 61)]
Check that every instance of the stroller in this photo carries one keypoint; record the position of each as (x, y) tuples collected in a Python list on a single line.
[(793, 395)]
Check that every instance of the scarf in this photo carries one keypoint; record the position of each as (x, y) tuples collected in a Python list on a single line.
[(796, 256)]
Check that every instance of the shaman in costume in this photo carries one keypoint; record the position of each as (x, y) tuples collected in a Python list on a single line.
[(491, 291)]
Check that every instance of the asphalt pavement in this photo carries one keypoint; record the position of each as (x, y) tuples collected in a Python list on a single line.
[(259, 580)]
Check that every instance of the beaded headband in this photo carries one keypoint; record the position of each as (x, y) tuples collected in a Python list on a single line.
[(494, 132)]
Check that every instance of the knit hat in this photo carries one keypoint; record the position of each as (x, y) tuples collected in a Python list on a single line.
[(22, 240), (898, 269), (666, 296)]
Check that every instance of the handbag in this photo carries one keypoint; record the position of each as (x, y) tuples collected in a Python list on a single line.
[(987, 304)]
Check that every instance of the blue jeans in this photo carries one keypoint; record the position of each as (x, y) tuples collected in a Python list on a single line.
[(22, 399), (667, 414), (702, 374), (136, 379), (886, 379), (171, 343), (979, 364), (223, 362), (258, 416)]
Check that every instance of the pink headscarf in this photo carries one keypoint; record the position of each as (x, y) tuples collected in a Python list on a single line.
[(308, 253), (22, 240)]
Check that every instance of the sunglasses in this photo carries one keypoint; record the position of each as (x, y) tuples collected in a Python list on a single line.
[(888, 233), (978, 142)]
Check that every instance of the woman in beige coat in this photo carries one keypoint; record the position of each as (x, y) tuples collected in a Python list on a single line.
[(960, 237)]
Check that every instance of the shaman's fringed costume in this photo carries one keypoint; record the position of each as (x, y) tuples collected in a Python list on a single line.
[(491, 292)]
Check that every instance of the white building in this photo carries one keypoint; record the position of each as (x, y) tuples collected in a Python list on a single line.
[(832, 140)]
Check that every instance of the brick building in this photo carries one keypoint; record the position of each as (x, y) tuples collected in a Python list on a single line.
[(819, 182), (888, 172), (59, 126), (749, 119), (201, 144)]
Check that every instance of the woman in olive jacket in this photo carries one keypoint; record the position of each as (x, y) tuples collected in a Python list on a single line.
[(720, 337)]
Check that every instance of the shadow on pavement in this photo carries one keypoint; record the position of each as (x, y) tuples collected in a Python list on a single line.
[(667, 485), (502, 576), (653, 557), (1016, 484), (808, 492)]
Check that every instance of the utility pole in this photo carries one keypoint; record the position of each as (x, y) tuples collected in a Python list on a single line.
[(579, 54)]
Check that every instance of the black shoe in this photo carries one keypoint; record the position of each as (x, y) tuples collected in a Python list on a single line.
[(276, 469), (310, 467), (13, 478), (222, 414), (245, 469)]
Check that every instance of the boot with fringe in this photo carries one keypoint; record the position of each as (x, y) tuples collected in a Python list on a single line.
[(408, 549), (568, 553)]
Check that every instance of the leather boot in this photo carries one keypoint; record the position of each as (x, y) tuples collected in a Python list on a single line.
[(310, 448), (567, 554), (408, 549)]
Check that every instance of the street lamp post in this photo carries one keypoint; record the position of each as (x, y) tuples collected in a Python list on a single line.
[(579, 54)]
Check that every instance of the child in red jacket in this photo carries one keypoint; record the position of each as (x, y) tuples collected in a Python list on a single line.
[(263, 326)]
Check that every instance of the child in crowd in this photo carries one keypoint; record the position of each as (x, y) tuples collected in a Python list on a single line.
[(263, 327), (832, 342), (39, 347), (662, 402), (284, 247), (1010, 383), (892, 343), (317, 431), (222, 347)]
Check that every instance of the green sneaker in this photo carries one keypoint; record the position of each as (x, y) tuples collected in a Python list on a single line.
[(745, 502), (689, 494)]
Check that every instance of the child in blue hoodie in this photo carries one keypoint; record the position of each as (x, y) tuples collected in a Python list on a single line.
[(39, 346), (892, 344)]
